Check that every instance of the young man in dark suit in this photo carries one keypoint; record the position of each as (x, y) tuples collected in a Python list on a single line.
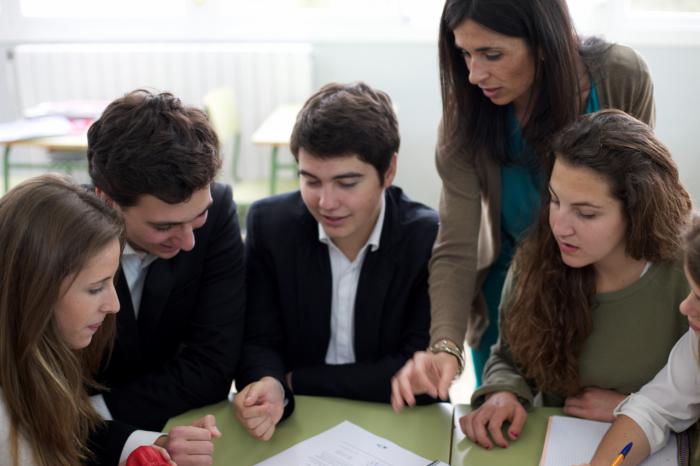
[(337, 273), (181, 283)]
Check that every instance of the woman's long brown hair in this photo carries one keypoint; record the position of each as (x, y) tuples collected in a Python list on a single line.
[(49, 229), (547, 318)]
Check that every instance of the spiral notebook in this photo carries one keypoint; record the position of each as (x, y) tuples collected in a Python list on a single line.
[(571, 440)]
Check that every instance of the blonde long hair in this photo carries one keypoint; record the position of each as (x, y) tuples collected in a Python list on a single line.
[(49, 229)]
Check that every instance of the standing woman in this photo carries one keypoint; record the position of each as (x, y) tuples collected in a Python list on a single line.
[(512, 74), (59, 251)]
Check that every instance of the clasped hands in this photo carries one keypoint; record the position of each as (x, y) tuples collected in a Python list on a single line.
[(259, 407)]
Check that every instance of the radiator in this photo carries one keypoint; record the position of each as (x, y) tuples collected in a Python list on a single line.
[(263, 76)]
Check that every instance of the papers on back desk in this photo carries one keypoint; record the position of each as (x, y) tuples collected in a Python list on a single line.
[(571, 440), (346, 445)]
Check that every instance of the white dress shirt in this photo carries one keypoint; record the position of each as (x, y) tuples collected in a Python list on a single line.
[(346, 275), (135, 267), (671, 401)]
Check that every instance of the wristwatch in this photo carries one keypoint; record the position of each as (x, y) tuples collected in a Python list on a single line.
[(450, 347)]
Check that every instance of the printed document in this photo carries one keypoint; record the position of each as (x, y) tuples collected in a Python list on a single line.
[(347, 445)]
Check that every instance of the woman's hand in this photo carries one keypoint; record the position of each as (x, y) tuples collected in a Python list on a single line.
[(484, 424), (593, 403), (426, 372)]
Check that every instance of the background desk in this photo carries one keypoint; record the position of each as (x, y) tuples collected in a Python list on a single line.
[(64, 144), (425, 430), (275, 132)]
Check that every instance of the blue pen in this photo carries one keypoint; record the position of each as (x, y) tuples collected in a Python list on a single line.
[(622, 455)]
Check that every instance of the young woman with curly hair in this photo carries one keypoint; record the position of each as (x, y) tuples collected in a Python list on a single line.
[(593, 284)]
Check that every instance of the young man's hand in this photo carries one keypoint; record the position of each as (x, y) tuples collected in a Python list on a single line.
[(259, 407), (192, 445)]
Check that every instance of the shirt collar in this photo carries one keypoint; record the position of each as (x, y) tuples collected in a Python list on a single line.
[(143, 256), (374, 237)]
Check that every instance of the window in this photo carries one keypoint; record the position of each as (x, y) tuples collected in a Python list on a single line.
[(678, 6), (327, 8), (358, 18), (101, 8)]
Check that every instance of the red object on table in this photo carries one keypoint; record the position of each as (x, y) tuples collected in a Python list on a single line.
[(146, 456)]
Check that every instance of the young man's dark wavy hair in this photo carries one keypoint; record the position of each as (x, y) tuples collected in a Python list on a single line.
[(149, 143), (345, 119)]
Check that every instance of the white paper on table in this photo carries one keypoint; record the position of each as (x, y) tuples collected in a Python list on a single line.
[(572, 440), (347, 445)]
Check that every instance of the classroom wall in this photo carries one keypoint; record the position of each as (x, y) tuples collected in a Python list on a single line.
[(409, 73), (7, 106), (676, 73)]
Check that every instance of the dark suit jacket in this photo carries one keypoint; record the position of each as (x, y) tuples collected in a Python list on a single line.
[(289, 286), (182, 351), (107, 442)]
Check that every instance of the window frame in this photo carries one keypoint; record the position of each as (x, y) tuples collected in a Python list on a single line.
[(204, 22)]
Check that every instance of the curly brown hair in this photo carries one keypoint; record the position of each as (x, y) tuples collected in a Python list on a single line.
[(548, 315)]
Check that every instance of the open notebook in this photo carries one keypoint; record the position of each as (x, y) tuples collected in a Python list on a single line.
[(571, 440)]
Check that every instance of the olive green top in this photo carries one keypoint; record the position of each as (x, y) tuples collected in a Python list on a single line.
[(633, 332)]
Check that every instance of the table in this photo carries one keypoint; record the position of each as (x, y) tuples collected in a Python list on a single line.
[(67, 143), (275, 131), (525, 451), (425, 430)]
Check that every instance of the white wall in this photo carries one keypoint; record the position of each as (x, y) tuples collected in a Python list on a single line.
[(676, 73), (408, 72)]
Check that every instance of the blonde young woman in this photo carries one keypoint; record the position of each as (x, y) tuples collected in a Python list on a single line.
[(59, 251)]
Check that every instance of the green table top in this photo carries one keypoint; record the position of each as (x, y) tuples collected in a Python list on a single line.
[(425, 430), (525, 451)]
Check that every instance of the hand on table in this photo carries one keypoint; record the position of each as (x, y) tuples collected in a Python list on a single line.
[(191, 445), (259, 407), (593, 403), (425, 372), (484, 423)]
